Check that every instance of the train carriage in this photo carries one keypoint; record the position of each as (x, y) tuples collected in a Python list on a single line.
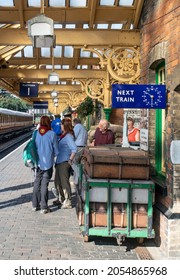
[(14, 121)]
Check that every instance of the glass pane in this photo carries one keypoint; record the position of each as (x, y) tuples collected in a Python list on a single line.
[(45, 52), (84, 67), (57, 26), (84, 54), (116, 26), (6, 3), (57, 3), (58, 51), (48, 66), (68, 51), (65, 66), (79, 3), (126, 2), (85, 26), (19, 54), (34, 3), (28, 51), (107, 3), (70, 26), (57, 66), (102, 26)]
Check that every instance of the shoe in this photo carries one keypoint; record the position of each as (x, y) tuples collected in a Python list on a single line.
[(34, 209), (45, 211), (57, 202), (66, 204), (54, 191)]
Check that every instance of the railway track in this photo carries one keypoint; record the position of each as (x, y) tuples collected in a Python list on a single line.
[(8, 146)]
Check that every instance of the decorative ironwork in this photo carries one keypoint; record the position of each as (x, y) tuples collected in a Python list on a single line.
[(122, 63), (76, 98), (95, 88)]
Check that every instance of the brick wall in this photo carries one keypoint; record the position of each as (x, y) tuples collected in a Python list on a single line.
[(160, 37)]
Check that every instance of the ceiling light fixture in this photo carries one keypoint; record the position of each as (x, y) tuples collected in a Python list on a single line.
[(53, 77), (54, 93), (55, 100), (41, 30)]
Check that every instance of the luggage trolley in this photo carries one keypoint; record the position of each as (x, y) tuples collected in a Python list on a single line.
[(115, 208)]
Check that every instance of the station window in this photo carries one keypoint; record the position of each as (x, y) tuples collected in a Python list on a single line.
[(160, 128)]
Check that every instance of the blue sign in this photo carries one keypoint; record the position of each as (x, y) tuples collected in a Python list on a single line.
[(139, 96), (28, 90), (40, 104)]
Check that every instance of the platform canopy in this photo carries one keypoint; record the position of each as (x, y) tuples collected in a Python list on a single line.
[(81, 30)]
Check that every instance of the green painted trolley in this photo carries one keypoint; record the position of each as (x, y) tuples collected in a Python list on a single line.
[(115, 208)]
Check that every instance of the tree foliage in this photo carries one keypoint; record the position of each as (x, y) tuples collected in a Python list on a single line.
[(85, 108), (11, 102)]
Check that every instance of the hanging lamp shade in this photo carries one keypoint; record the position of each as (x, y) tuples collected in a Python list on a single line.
[(41, 31), (53, 78), (55, 100), (54, 93)]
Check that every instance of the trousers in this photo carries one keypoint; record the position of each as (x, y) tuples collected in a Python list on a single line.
[(40, 189), (62, 183)]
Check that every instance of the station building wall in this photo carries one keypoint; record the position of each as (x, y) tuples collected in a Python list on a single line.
[(160, 45)]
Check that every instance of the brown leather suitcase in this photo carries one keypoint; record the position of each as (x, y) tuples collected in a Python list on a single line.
[(116, 163), (140, 216), (119, 216), (101, 162), (98, 215)]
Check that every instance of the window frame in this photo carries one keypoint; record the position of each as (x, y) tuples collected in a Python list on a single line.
[(160, 171)]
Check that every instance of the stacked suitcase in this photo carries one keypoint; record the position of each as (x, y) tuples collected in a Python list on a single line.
[(116, 163), (113, 165)]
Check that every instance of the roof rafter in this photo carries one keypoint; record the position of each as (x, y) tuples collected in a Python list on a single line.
[(78, 37)]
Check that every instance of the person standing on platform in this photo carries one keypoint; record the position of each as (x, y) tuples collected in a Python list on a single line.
[(67, 151), (56, 125), (103, 135), (47, 149), (81, 136), (133, 132)]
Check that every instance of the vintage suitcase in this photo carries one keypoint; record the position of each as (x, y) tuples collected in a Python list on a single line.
[(98, 215), (119, 216), (140, 216), (101, 162), (115, 163)]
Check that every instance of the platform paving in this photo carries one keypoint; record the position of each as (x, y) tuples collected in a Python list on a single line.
[(30, 235)]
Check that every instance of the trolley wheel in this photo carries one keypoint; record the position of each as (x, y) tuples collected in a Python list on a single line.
[(140, 240), (86, 238)]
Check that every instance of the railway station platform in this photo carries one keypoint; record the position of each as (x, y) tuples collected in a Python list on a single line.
[(27, 235)]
